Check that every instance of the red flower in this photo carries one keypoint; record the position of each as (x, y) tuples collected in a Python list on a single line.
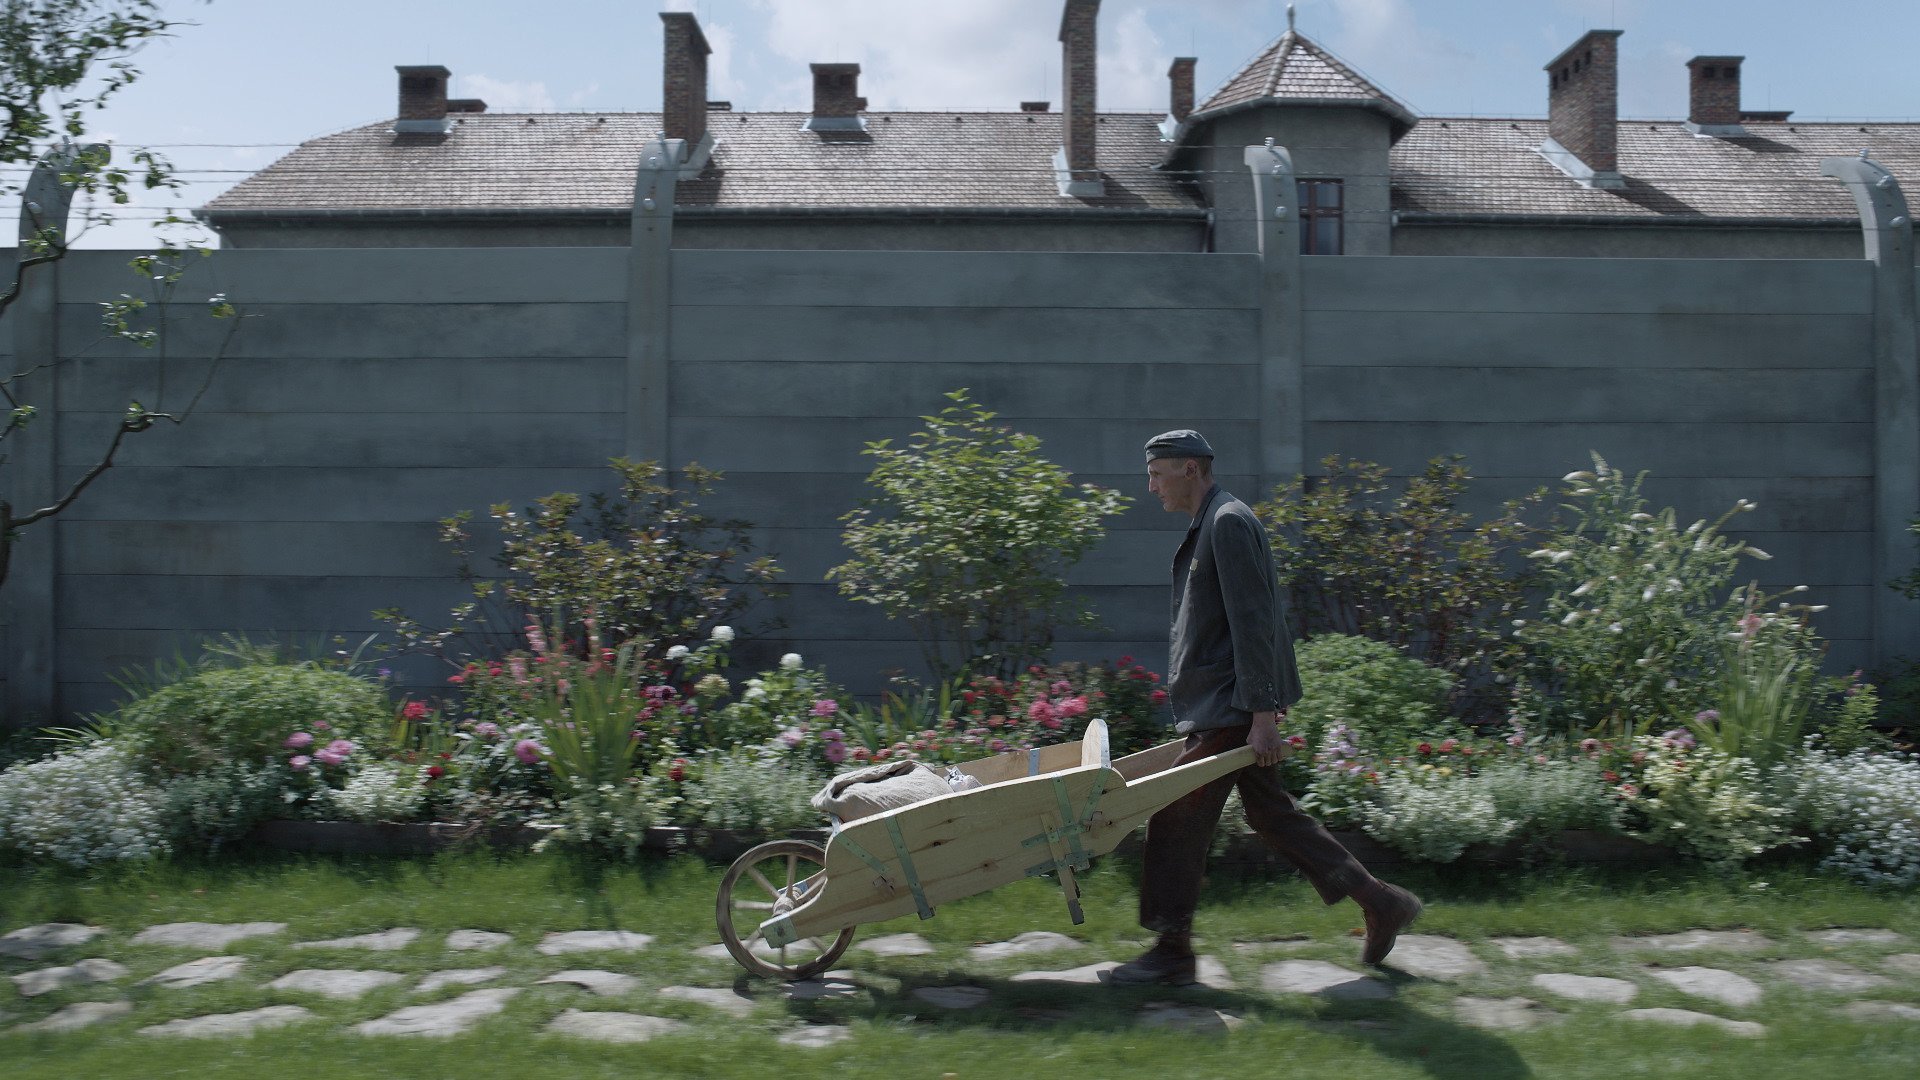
[(1449, 746), (968, 696), (678, 770), (1425, 748), (456, 679), (415, 710), (1610, 776), (1159, 697), (435, 772)]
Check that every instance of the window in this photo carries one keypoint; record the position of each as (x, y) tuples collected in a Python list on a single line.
[(1321, 231)]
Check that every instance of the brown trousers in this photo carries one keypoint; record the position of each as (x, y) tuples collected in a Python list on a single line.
[(1180, 834)]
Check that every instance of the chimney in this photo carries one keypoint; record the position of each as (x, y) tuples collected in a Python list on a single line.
[(1713, 95), (1583, 101), (423, 100), (836, 99), (1074, 165), (683, 102), (1035, 106), (1180, 80), (466, 105)]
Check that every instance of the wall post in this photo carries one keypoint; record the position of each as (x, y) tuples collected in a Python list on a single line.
[(1283, 425), (650, 301)]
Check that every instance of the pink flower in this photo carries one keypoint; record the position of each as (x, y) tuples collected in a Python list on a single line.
[(487, 730), (456, 679), (1072, 707), (299, 762), (793, 737), (1063, 687), (527, 750), (328, 757), (341, 747), (1051, 723), (322, 725), (415, 710), (836, 752), (996, 746), (826, 707), (1159, 697), (1040, 712), (299, 740), (832, 735)]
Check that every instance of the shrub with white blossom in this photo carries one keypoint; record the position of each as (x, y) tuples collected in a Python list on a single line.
[(381, 793), (83, 807), (1434, 819), (1863, 809), (1703, 802)]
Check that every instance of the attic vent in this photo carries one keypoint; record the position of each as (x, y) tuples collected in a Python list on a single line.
[(1035, 106)]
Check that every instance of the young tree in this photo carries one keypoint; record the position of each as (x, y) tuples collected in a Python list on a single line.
[(60, 61), (969, 539)]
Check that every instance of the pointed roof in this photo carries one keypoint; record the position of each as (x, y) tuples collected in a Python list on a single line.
[(1296, 71)]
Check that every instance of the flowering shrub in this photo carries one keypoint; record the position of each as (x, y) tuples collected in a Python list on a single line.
[(381, 793), (1863, 809), (1379, 696), (1630, 632), (1700, 800), (790, 703), (83, 807), (1046, 705), (1543, 798), (610, 819), (206, 810), (745, 789), (1435, 818)]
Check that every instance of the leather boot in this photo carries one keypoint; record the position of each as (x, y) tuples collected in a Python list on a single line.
[(1389, 909), (1170, 963)]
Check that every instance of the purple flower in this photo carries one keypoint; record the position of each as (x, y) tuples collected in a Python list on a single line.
[(836, 752), (299, 740), (299, 762), (793, 737), (527, 750), (832, 735), (342, 747), (487, 730), (1705, 716), (1681, 737), (826, 707), (328, 757)]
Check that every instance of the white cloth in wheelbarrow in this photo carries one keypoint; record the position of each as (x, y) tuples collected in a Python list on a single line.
[(877, 789)]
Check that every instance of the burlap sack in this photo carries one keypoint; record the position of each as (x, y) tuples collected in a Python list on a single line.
[(879, 788)]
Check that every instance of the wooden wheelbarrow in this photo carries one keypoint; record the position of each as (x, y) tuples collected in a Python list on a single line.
[(787, 909)]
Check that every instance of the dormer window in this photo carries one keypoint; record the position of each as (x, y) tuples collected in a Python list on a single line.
[(1322, 227)]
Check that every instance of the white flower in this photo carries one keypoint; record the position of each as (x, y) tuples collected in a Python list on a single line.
[(1758, 554), (1543, 553), (723, 634), (791, 661), (1643, 517), (754, 684), (1799, 588), (1572, 617), (1585, 588), (1818, 607), (754, 693), (678, 652), (1647, 593), (1562, 556), (1614, 628)]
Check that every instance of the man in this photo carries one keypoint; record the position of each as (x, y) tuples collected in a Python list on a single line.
[(1230, 680)]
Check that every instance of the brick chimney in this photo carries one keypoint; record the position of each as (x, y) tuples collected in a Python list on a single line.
[(837, 103), (683, 68), (1078, 174), (1180, 85), (1583, 102), (423, 100), (1035, 106), (466, 105), (1713, 95)]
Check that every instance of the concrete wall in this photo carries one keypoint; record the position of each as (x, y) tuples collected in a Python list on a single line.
[(380, 390), (1664, 241), (1350, 145)]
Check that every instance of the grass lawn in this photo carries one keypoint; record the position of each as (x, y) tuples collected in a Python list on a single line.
[(1035, 1029)]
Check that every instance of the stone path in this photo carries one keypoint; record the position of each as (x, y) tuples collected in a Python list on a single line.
[(1696, 978)]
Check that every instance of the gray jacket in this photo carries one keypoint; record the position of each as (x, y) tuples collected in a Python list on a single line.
[(1231, 651)]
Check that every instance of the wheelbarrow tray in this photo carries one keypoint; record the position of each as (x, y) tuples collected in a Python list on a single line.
[(1047, 812)]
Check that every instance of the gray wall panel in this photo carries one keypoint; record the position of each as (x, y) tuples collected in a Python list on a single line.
[(1673, 286), (251, 603), (779, 279), (310, 548), (396, 331), (1145, 393), (1666, 449), (1121, 558), (1591, 395), (979, 337), (375, 276), (292, 439), (458, 385), (1625, 341), (294, 493)]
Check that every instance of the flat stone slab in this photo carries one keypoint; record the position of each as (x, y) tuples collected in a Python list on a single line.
[(1588, 987), (434, 980), (572, 941), (604, 983), (614, 1027), (1178, 1016), (1854, 935), (204, 935), (79, 1015), (39, 942), (204, 970), (814, 1036), (1725, 987), (1503, 1014), (1301, 942), (1831, 975), (894, 945), (727, 1001), (229, 1025), (343, 984), (1431, 957), (1324, 979), (1090, 975), (1903, 963), (47, 980), (384, 941), (952, 997), (1525, 948), (450, 1017), (1212, 974), (1688, 1018), (470, 940), (1028, 944), (1878, 1011), (833, 986), (1688, 940)]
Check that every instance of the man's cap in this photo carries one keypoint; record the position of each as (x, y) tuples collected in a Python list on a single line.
[(1184, 443)]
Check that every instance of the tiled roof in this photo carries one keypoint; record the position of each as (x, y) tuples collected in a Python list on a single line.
[(1448, 165), (963, 162), (1294, 68)]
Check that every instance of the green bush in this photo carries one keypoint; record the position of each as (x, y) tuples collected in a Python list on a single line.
[(1385, 698), (745, 790), (224, 716), (968, 541), (207, 810)]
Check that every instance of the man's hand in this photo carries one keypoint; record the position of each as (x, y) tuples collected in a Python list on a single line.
[(1269, 748)]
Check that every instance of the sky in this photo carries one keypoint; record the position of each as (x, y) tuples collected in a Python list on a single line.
[(253, 78)]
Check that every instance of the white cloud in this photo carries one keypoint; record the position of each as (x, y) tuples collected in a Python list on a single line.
[(503, 96), (1133, 65), (722, 84)]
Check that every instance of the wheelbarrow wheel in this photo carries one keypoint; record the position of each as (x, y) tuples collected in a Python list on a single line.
[(775, 877)]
